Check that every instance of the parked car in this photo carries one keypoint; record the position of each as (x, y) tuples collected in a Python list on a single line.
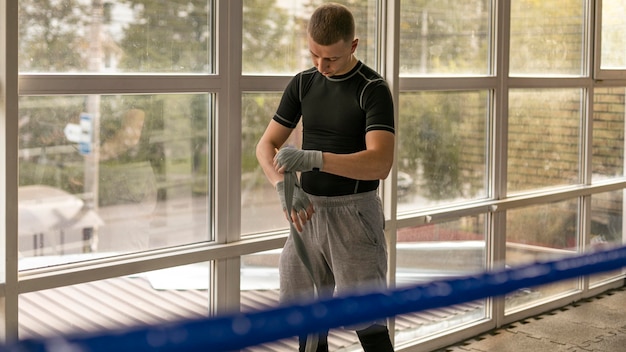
[(405, 182)]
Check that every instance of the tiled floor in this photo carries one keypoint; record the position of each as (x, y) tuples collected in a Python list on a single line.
[(597, 324)]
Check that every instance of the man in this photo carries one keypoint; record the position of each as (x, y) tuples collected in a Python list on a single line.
[(337, 239)]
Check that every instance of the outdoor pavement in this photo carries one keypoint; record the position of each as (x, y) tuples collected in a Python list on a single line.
[(597, 324)]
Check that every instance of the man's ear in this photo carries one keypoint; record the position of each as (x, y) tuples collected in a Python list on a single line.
[(355, 43)]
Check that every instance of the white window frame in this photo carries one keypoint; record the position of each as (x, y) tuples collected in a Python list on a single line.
[(228, 85), (599, 73)]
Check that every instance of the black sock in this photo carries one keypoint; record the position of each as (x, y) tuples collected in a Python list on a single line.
[(375, 339)]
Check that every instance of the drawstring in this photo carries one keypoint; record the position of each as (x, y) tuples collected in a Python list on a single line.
[(356, 187)]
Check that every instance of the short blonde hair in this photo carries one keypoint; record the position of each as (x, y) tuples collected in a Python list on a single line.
[(331, 23)]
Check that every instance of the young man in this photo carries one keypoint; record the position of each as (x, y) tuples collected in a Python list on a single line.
[(348, 140)]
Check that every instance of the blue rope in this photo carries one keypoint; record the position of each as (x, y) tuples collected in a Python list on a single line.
[(237, 331)]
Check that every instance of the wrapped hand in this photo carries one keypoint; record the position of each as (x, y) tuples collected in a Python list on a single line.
[(292, 159), (300, 209)]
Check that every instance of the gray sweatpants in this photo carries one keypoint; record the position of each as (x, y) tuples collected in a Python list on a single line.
[(346, 246)]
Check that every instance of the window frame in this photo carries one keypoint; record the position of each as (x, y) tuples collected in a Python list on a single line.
[(228, 84), (599, 73)]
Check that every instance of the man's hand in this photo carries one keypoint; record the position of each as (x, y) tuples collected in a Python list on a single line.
[(291, 159), (301, 206)]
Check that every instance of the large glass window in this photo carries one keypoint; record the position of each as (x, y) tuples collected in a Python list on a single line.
[(442, 148), (544, 138), (274, 34), (608, 132), (148, 298), (116, 36), (117, 170), (536, 233), (547, 37), (436, 252), (260, 206), (607, 228), (445, 37), (613, 39), (113, 174)]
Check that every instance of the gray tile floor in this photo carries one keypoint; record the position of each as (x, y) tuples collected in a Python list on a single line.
[(596, 324)]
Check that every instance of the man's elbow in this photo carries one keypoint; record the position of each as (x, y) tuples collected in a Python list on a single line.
[(384, 170), (260, 150)]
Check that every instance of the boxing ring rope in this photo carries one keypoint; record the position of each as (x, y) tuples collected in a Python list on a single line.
[(237, 331)]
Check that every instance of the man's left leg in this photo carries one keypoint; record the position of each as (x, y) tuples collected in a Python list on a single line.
[(322, 342), (375, 339)]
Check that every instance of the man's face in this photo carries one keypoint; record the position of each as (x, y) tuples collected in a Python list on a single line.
[(335, 59)]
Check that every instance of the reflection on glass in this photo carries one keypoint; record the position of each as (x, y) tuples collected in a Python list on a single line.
[(274, 34), (437, 252), (106, 175), (149, 298), (260, 206), (538, 233), (116, 36), (613, 35), (547, 37), (442, 148), (544, 138), (445, 37), (607, 214), (608, 132)]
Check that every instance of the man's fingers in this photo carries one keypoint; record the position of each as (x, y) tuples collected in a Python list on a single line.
[(278, 168), (299, 218), (304, 216)]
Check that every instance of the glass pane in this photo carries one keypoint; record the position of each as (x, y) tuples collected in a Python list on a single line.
[(607, 228), (149, 298), (437, 252), (547, 37), (105, 175), (274, 34), (260, 291), (537, 233), (608, 132), (442, 148), (260, 206), (544, 138), (445, 37), (613, 35), (116, 36)]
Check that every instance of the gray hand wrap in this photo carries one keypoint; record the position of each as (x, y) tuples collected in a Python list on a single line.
[(280, 188), (299, 160), (300, 200)]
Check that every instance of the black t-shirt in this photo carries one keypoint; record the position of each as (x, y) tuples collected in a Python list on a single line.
[(336, 114)]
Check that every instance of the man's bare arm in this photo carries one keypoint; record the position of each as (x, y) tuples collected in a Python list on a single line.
[(374, 163), (273, 138)]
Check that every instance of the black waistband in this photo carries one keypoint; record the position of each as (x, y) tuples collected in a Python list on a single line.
[(326, 185)]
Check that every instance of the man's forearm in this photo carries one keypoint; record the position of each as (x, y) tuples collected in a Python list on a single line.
[(364, 165), (265, 155)]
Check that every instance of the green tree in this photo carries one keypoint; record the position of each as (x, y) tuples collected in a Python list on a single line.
[(48, 33), (431, 139), (444, 36), (270, 40), (168, 36)]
